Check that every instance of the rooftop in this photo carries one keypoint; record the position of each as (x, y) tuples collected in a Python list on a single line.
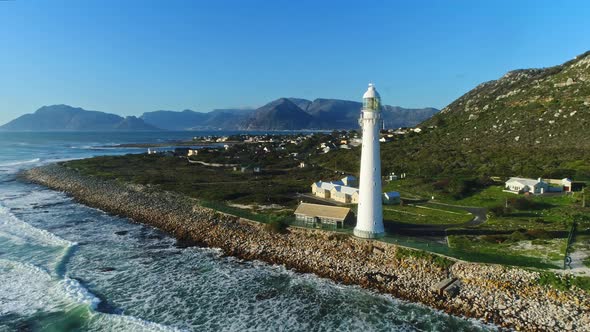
[(322, 211)]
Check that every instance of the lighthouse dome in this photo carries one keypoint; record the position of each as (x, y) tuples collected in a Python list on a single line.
[(371, 92), (371, 99)]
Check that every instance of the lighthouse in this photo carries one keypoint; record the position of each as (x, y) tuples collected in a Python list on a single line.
[(370, 211)]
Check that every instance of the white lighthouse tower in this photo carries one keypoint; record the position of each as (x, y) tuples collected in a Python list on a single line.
[(370, 211)]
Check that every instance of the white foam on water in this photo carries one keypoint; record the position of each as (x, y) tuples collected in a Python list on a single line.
[(14, 227), (78, 293), (21, 162), (112, 322), (24, 289)]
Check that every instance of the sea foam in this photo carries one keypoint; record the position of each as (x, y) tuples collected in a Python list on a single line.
[(14, 227)]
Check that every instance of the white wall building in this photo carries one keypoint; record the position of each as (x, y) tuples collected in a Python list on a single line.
[(524, 185), (342, 191), (370, 210), (391, 198)]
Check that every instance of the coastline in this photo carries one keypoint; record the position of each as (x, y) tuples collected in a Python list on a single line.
[(507, 297)]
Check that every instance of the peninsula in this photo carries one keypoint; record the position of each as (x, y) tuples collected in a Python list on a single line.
[(506, 296)]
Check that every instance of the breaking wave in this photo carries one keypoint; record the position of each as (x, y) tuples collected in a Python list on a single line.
[(22, 162)]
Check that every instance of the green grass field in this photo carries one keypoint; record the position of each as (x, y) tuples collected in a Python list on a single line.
[(425, 214), (550, 250)]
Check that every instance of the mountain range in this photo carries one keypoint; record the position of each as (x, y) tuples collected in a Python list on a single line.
[(280, 114), (286, 114), (68, 118)]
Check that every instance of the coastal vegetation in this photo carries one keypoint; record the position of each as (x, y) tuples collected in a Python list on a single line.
[(508, 297)]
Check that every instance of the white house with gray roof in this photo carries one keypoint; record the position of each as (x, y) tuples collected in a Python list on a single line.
[(341, 190), (524, 185)]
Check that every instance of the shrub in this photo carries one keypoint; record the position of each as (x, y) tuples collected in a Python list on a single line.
[(437, 260), (522, 203), (278, 226), (495, 238), (519, 236), (564, 282), (500, 211), (539, 234)]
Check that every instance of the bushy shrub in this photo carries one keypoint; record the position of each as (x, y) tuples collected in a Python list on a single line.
[(522, 203), (500, 211), (278, 226), (494, 238), (539, 234), (519, 236)]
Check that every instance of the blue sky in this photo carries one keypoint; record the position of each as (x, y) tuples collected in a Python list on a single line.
[(129, 57)]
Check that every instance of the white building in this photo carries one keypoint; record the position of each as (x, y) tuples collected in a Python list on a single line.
[(524, 185), (370, 210), (323, 214), (391, 198), (342, 191)]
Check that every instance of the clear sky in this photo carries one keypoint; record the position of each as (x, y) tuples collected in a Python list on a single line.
[(129, 57)]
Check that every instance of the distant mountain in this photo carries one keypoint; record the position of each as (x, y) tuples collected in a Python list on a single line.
[(172, 120), (68, 118), (281, 114), (286, 114), (396, 117), (190, 120)]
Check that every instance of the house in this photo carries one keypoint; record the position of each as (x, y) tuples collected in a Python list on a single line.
[(181, 151), (193, 152), (342, 191), (303, 164), (392, 177), (391, 198), (344, 194), (313, 214), (524, 185), (350, 181), (355, 142), (250, 169), (322, 189), (150, 151)]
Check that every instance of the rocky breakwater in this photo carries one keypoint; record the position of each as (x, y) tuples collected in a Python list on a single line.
[(508, 297)]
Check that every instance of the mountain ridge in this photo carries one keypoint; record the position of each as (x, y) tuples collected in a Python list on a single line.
[(67, 118), (279, 114)]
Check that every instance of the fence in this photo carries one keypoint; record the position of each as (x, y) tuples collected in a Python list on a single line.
[(570, 240)]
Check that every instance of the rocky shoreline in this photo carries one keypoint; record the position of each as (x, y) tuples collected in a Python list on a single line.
[(506, 297)]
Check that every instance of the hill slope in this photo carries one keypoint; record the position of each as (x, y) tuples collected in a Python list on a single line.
[(531, 122), (547, 107), (281, 114), (64, 117)]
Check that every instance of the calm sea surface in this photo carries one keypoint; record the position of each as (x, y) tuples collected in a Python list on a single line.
[(68, 267)]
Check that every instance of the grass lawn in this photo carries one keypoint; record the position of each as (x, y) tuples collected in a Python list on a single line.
[(425, 214), (549, 251), (408, 188)]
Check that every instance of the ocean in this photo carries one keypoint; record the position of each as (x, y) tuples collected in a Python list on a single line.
[(68, 267)]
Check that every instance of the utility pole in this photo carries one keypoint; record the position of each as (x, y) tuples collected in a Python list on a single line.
[(584, 197)]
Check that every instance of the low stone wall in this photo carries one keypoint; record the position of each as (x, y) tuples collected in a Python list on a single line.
[(508, 297)]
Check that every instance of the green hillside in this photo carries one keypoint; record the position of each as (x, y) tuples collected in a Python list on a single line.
[(531, 122)]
